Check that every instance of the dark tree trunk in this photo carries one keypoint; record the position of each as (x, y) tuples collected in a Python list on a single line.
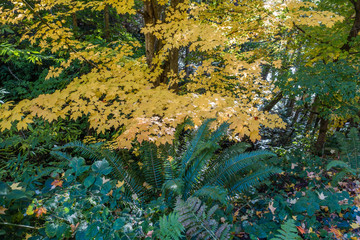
[(313, 113), (107, 22), (153, 12), (273, 102), (319, 145)]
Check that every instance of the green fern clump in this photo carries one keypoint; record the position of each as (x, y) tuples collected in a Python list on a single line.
[(170, 227), (200, 168), (288, 231), (198, 222)]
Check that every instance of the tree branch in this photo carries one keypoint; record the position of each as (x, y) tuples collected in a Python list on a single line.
[(14, 74), (66, 40), (18, 225)]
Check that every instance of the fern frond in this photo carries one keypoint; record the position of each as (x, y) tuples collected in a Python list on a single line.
[(227, 169), (243, 184), (61, 155), (350, 148), (216, 193), (337, 163), (220, 132), (175, 186), (91, 152), (170, 227), (200, 136), (288, 231), (152, 167), (198, 222), (132, 183), (170, 169)]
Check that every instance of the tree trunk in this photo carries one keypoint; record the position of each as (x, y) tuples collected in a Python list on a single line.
[(153, 12), (107, 22), (319, 145), (313, 113), (273, 102), (354, 32)]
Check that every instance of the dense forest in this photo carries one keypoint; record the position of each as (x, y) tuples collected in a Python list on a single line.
[(179, 119)]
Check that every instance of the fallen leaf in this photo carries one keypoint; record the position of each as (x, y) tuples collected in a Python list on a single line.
[(272, 208), (135, 196), (2, 210), (40, 211), (149, 234), (336, 232), (105, 180), (322, 196), (300, 229), (355, 225), (146, 185), (119, 184), (110, 193), (15, 186), (56, 183), (294, 165), (74, 227)]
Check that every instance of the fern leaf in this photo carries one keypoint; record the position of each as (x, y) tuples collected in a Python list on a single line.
[(170, 227), (122, 174), (230, 168), (288, 231), (91, 152), (200, 135), (198, 222), (61, 155), (337, 163), (252, 179), (216, 193), (152, 165)]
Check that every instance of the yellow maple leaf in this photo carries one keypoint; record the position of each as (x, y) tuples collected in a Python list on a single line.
[(120, 184)]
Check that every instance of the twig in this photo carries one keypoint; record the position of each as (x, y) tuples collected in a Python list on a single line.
[(13, 74), (18, 225)]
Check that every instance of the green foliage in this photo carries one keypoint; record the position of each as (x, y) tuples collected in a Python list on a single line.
[(288, 231), (194, 169), (349, 155), (83, 204), (198, 222), (335, 84), (21, 151), (2, 94), (9, 52), (96, 152), (170, 227), (350, 148)]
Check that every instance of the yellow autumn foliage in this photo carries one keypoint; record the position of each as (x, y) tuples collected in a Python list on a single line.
[(119, 92)]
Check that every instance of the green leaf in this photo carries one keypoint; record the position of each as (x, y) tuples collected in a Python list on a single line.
[(89, 181), (77, 164), (50, 229), (119, 223), (4, 189), (102, 167)]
